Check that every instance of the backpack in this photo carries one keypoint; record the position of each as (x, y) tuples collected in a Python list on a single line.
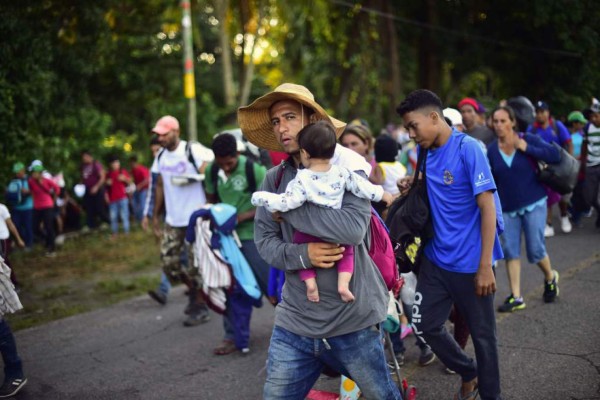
[(14, 196), (250, 177), (380, 250), (188, 153)]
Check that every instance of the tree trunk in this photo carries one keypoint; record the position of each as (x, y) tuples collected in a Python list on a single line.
[(395, 78), (429, 64), (248, 75), (221, 7)]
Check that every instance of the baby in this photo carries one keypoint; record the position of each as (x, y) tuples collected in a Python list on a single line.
[(323, 184)]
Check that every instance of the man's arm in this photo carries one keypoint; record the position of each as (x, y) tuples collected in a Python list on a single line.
[(159, 199), (485, 282), (101, 182), (15, 232)]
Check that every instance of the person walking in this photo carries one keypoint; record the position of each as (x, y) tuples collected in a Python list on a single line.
[(512, 158), (22, 213), (457, 263), (309, 336), (181, 196), (44, 192), (591, 187), (553, 131), (230, 183), (93, 177)]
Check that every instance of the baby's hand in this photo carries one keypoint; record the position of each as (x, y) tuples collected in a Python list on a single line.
[(387, 198), (277, 217)]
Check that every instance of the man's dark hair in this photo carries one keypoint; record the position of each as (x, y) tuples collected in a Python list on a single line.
[(419, 99), (318, 139), (225, 145), (85, 152), (386, 148), (113, 158), (133, 158)]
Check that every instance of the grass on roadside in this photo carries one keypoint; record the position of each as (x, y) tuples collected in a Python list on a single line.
[(89, 272)]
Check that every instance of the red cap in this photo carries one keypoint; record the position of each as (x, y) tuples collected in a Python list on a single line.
[(470, 102), (165, 125)]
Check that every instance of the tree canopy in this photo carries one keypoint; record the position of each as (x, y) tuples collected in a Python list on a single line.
[(96, 75)]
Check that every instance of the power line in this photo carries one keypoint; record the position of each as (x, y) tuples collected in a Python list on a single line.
[(424, 25)]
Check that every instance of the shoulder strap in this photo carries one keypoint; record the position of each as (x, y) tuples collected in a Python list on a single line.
[(190, 156), (160, 154), (279, 177), (214, 177), (250, 177)]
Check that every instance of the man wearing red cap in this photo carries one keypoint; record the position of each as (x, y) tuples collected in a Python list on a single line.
[(176, 165), (470, 109)]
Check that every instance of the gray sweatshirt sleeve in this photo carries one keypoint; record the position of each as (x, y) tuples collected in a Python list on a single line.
[(269, 237)]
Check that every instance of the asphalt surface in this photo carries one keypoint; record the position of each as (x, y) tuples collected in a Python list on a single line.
[(140, 350)]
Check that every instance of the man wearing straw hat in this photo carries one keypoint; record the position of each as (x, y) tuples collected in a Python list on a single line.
[(307, 336)]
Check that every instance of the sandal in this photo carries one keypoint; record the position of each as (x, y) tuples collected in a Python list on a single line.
[(472, 395), (226, 347)]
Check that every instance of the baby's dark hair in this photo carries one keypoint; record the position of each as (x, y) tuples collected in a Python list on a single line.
[(318, 140), (420, 99)]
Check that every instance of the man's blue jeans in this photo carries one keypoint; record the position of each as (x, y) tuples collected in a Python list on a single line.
[(139, 201), (23, 220), (119, 208), (295, 362)]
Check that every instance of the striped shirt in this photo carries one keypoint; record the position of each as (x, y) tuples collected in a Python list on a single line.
[(593, 136)]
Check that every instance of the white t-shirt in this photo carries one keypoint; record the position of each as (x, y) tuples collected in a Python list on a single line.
[(181, 201), (322, 188), (4, 215), (392, 171), (344, 157)]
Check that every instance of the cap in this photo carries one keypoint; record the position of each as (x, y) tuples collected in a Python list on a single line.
[(165, 125), (18, 166), (481, 108), (469, 101), (576, 116), (35, 163), (453, 115), (37, 168), (541, 105), (595, 107)]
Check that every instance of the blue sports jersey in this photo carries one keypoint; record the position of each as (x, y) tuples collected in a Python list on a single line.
[(456, 173)]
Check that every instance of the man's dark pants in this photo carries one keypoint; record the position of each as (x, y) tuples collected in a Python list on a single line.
[(95, 207)]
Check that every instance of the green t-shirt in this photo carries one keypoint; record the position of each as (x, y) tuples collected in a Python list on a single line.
[(233, 191)]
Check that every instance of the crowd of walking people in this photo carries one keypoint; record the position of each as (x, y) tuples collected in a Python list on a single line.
[(306, 187)]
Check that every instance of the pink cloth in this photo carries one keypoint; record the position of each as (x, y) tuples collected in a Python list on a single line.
[(553, 197), (42, 193), (346, 264)]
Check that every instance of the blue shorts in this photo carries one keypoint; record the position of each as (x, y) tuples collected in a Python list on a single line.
[(532, 224)]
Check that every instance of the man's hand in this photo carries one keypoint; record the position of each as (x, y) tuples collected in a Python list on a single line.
[(324, 255), (485, 281), (387, 198), (145, 223), (156, 227), (20, 243), (404, 184), (94, 190), (277, 217)]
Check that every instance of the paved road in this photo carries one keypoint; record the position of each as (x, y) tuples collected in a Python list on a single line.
[(139, 350)]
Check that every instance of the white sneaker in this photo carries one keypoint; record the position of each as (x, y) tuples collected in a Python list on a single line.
[(565, 224), (548, 231)]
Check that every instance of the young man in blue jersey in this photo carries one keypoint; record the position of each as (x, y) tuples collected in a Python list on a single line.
[(457, 262)]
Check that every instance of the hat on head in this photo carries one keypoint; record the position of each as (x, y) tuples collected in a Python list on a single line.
[(18, 166), (255, 121), (37, 168), (453, 115), (481, 108), (165, 125), (469, 101), (542, 105), (576, 116), (35, 163)]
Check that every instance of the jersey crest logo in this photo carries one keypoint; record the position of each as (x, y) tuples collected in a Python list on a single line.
[(448, 177)]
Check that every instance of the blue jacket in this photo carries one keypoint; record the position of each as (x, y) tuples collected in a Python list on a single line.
[(518, 185)]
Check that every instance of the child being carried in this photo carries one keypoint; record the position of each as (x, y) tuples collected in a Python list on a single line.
[(323, 184)]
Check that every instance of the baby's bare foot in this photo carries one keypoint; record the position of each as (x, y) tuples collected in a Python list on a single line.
[(312, 292), (346, 294)]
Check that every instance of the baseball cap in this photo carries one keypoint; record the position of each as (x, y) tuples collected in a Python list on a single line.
[(18, 166), (165, 125), (453, 115), (576, 116), (470, 102), (541, 105), (37, 168), (35, 163)]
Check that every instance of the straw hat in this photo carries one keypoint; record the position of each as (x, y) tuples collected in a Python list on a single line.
[(255, 121)]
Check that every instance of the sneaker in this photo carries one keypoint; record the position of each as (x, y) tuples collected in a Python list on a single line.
[(426, 357), (399, 359), (11, 387), (50, 254), (551, 289), (160, 297), (450, 371), (565, 224), (512, 304), (198, 316), (548, 231)]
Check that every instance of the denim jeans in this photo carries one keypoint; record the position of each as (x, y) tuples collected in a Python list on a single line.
[(116, 209), (139, 201), (23, 220), (295, 362), (8, 348)]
